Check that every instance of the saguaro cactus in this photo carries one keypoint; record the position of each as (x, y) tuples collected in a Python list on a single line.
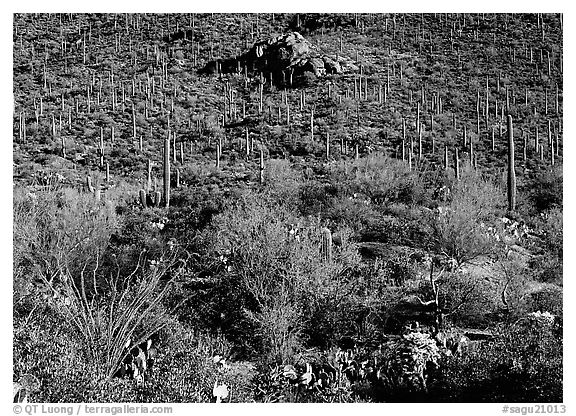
[(101, 146), (456, 164), (89, 186), (312, 124), (149, 176), (166, 167), (326, 245), (247, 144), (511, 170), (133, 122), (142, 194), (261, 167)]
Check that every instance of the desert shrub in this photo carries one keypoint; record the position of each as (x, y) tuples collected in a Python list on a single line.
[(314, 198), (57, 229), (273, 258), (305, 79), (522, 364), (185, 372), (282, 181), (547, 299), (457, 229), (468, 299), (383, 180), (353, 212), (547, 264), (545, 189), (516, 282), (46, 347)]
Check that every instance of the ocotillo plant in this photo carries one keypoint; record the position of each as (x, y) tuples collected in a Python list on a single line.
[(511, 170), (326, 245), (166, 167)]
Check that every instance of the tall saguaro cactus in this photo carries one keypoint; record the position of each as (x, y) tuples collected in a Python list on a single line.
[(166, 167), (511, 170), (261, 167), (456, 164)]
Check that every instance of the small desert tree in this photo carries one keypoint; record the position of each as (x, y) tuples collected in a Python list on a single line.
[(460, 229), (276, 259)]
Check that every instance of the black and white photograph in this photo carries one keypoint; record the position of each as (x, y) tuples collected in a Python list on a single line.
[(287, 208)]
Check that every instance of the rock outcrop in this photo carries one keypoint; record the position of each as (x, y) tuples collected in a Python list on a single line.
[(293, 53), (286, 57)]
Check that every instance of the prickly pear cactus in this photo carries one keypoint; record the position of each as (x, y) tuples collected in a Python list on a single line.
[(405, 362)]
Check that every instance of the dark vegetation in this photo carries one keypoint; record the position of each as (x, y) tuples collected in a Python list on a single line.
[(394, 279)]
